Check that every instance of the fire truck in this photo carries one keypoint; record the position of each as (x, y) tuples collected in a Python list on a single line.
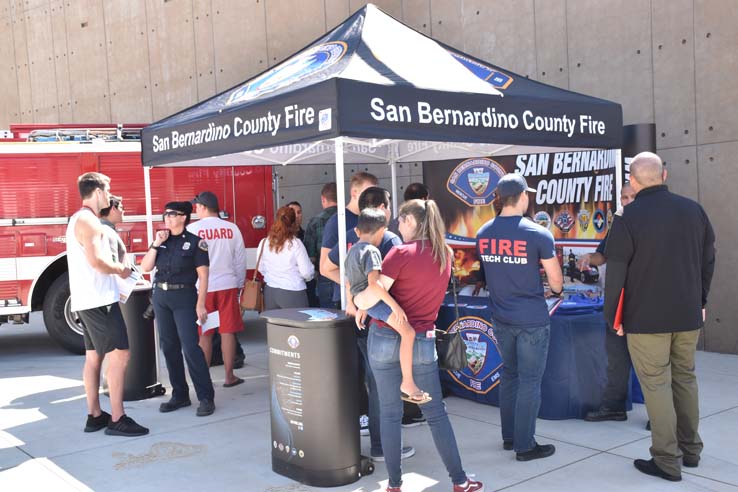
[(39, 166)]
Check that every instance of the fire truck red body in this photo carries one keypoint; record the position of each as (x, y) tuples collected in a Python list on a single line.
[(39, 194)]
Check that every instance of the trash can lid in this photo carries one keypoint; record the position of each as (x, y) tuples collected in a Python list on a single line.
[(306, 317)]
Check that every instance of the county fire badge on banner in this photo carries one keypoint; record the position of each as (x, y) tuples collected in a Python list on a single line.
[(474, 181), (482, 372)]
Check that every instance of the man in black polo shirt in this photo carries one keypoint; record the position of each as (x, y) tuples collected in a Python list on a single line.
[(661, 255)]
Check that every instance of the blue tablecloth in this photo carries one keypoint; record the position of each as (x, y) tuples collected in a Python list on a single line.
[(576, 368)]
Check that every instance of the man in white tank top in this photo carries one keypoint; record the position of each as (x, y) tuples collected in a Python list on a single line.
[(94, 296), (226, 276)]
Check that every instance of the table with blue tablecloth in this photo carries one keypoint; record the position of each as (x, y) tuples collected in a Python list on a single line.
[(576, 368)]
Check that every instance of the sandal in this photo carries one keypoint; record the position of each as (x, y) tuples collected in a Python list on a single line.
[(419, 397)]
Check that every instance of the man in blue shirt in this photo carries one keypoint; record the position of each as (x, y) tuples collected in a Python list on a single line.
[(359, 182), (510, 248)]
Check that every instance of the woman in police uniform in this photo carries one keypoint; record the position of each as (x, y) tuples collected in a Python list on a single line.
[(181, 259)]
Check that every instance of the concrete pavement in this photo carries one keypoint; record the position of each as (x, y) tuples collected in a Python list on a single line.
[(42, 446)]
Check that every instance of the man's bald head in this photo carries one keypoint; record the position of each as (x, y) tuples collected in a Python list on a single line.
[(646, 169)]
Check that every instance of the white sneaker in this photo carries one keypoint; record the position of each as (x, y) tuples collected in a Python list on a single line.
[(364, 425), (407, 452)]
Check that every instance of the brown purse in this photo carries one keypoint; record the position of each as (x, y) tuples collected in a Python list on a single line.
[(252, 295)]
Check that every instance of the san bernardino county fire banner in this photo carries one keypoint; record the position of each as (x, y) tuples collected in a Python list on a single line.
[(574, 199)]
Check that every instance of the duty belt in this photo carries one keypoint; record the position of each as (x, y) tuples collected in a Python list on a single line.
[(171, 286)]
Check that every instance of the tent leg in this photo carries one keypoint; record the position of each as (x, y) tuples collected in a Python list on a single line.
[(393, 170), (341, 197), (619, 176), (150, 238)]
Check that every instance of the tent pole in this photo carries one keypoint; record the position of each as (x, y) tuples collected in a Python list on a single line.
[(393, 169), (618, 177), (150, 238), (341, 197), (149, 216)]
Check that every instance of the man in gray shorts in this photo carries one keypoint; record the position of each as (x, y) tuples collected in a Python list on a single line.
[(94, 296)]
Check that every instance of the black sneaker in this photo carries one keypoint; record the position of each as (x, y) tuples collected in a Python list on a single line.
[(94, 424), (127, 427), (538, 451), (408, 422), (172, 405), (602, 414), (649, 467), (207, 407), (507, 445)]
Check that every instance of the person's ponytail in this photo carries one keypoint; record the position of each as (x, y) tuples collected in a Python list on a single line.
[(436, 232)]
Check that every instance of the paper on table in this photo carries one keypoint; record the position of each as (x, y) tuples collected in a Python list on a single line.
[(126, 285), (212, 322)]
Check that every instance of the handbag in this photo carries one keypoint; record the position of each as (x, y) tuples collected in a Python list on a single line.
[(252, 295), (450, 346)]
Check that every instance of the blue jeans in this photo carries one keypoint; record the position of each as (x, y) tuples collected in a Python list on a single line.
[(524, 352), (384, 358), (325, 293), (371, 389)]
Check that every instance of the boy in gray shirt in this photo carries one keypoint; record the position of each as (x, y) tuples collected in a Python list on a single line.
[(363, 267)]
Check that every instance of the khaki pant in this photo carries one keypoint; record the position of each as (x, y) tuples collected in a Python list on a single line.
[(664, 363)]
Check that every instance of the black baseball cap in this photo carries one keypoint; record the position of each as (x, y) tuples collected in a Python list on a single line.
[(184, 207), (512, 184), (207, 199)]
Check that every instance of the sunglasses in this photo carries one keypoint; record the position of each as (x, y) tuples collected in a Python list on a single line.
[(172, 213)]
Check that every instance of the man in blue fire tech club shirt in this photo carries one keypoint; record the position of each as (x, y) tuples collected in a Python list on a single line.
[(510, 248)]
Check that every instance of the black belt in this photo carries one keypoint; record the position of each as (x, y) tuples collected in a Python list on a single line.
[(171, 286)]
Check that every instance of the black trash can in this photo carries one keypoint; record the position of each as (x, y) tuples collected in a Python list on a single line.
[(141, 374), (314, 398)]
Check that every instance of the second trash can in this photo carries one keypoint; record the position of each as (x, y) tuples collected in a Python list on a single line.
[(314, 398), (141, 374)]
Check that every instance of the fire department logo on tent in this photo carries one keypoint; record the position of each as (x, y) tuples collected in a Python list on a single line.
[(474, 181), (309, 62)]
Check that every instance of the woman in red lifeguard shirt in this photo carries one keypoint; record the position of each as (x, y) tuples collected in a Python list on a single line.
[(416, 274)]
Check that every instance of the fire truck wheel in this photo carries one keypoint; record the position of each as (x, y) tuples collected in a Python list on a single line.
[(62, 324)]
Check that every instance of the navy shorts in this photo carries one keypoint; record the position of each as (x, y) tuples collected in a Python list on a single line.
[(104, 329)]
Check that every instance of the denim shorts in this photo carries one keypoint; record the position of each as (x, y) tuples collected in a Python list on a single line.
[(380, 311)]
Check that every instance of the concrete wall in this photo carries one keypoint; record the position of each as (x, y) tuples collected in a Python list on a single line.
[(671, 62)]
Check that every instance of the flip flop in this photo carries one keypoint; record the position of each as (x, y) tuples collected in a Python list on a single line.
[(234, 383), (424, 397)]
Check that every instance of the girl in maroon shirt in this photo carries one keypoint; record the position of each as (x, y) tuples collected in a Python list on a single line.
[(416, 274)]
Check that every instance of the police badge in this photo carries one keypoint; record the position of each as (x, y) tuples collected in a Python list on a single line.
[(583, 217)]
